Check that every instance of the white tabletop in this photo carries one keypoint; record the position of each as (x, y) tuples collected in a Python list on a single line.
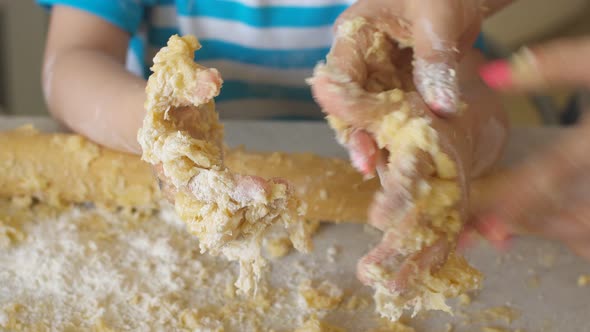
[(536, 277)]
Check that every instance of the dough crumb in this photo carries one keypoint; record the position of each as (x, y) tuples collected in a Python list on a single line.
[(454, 278), (464, 299), (494, 329), (547, 260), (356, 303), (182, 138), (101, 326), (230, 291), (9, 235), (331, 253), (279, 246), (325, 296), (394, 327), (197, 320), (313, 324), (583, 280), (533, 282), (504, 313)]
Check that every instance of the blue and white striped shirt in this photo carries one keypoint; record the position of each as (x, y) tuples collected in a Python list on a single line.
[(264, 49)]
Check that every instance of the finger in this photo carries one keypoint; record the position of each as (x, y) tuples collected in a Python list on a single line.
[(348, 101), (429, 259), (338, 86), (208, 86), (570, 224), (581, 248), (352, 38), (561, 62), (249, 189), (167, 189), (363, 152), (390, 209), (537, 184), (377, 256), (345, 69), (391, 206), (495, 231), (437, 27)]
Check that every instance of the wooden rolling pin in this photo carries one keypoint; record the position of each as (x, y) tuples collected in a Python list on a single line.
[(65, 168)]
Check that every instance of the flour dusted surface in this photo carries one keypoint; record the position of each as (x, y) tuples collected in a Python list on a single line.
[(85, 269)]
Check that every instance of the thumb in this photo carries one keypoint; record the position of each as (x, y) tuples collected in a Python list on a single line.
[(437, 27), (561, 62)]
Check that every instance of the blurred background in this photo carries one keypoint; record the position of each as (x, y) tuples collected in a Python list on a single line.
[(23, 25)]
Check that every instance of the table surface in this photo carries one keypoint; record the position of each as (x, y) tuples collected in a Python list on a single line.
[(536, 277)]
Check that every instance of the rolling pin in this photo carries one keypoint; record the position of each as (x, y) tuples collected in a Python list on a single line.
[(61, 169)]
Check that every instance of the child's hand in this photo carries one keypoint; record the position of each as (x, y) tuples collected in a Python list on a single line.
[(190, 118)]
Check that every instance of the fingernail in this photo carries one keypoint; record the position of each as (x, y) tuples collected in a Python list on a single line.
[(356, 162), (497, 74), (437, 83), (360, 163), (496, 231)]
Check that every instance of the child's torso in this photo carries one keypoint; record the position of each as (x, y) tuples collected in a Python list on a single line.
[(264, 49)]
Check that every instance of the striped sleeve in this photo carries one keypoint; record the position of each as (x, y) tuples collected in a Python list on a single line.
[(125, 14)]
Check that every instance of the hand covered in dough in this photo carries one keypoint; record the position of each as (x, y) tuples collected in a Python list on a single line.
[(182, 136), (439, 32), (244, 188), (358, 93)]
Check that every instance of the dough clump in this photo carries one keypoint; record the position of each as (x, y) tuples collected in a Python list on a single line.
[(229, 213), (417, 163)]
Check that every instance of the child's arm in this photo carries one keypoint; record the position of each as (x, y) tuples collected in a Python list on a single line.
[(85, 81)]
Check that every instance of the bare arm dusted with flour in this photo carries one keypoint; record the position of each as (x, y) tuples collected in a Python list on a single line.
[(181, 134), (424, 161)]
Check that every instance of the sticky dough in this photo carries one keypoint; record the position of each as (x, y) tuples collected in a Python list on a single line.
[(229, 213), (431, 194), (61, 169)]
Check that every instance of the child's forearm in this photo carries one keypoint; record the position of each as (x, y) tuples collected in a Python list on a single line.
[(94, 95)]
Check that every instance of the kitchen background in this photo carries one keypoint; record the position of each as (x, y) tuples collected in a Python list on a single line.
[(23, 25)]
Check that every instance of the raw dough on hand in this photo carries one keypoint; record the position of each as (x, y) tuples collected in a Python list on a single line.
[(429, 178), (229, 213)]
